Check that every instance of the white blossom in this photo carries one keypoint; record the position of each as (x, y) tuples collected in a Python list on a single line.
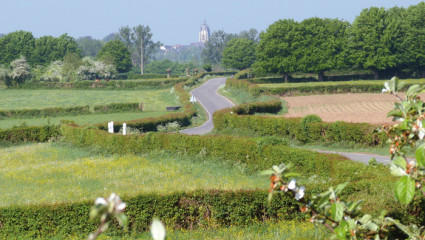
[(299, 193)]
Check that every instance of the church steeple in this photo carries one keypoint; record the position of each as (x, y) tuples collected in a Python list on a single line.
[(204, 32)]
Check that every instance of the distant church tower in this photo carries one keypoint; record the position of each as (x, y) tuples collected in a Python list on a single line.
[(204, 33)]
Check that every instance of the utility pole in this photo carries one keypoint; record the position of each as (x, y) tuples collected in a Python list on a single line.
[(141, 55)]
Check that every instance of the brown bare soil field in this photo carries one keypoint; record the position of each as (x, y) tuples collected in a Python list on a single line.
[(351, 107)]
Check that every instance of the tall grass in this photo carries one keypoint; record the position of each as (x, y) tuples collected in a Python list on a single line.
[(48, 173), (267, 231)]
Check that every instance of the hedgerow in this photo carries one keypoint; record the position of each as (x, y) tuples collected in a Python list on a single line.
[(29, 134), (359, 133), (178, 210), (112, 84), (45, 112)]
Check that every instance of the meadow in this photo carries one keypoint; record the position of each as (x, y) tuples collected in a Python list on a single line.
[(48, 173), (154, 103), (153, 99)]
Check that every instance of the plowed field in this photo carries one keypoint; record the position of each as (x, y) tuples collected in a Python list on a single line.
[(361, 107)]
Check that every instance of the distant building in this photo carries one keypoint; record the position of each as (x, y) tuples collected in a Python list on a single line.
[(204, 33)]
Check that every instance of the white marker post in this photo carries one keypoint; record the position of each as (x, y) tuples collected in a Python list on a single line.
[(124, 129), (192, 99), (111, 127)]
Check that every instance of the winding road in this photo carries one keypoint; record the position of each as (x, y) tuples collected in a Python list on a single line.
[(208, 97)]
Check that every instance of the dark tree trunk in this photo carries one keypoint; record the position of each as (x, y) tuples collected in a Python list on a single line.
[(422, 73), (285, 76), (321, 76), (375, 74)]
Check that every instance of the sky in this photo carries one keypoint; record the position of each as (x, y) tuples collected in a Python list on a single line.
[(172, 22)]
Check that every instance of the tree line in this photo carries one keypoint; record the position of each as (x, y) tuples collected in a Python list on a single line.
[(379, 40)]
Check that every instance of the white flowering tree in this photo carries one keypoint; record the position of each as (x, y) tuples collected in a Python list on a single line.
[(91, 69), (20, 71), (54, 72)]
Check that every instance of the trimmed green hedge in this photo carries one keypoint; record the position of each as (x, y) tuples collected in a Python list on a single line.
[(117, 107), (112, 84), (358, 133), (45, 112), (29, 134), (374, 86), (179, 210), (272, 106)]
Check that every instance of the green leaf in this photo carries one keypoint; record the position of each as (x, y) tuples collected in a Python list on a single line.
[(397, 170), (371, 226), (341, 232), (269, 198), (395, 113), (267, 172), (401, 162), (405, 125), (420, 155), (413, 91), (404, 189), (337, 211), (340, 187), (366, 219), (291, 174)]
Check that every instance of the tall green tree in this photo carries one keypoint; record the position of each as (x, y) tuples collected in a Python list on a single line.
[(118, 53), (239, 53), (133, 39), (16, 44), (48, 49), (275, 49), (213, 51), (251, 34), (89, 46), (372, 36), (320, 45), (414, 40)]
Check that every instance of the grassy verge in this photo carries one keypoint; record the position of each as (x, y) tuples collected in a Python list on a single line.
[(52, 172)]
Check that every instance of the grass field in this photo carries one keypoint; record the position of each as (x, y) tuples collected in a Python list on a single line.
[(48, 173), (153, 99)]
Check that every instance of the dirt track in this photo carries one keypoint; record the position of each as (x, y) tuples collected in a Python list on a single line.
[(360, 107)]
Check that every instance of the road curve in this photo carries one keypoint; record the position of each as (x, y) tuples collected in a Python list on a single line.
[(208, 97)]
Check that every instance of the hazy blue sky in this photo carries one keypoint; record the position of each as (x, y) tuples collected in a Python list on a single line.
[(171, 21)]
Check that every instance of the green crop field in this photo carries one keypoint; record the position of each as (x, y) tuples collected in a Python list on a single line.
[(49, 173), (153, 99)]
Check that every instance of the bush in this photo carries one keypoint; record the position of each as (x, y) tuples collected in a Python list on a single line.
[(304, 130)]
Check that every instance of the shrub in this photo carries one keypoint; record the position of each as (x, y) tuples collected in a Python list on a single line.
[(304, 130)]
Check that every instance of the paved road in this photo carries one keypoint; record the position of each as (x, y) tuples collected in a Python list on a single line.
[(208, 97), (362, 157)]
